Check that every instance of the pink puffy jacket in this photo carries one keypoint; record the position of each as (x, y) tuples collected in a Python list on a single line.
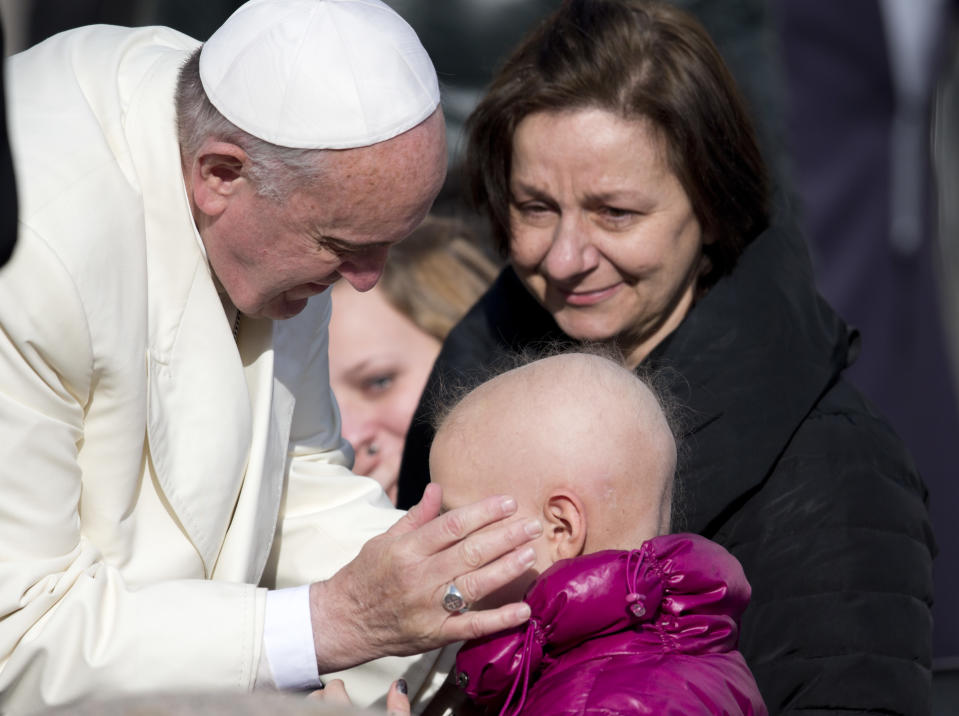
[(648, 631)]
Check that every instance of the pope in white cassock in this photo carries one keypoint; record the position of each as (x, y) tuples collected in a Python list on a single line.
[(176, 506)]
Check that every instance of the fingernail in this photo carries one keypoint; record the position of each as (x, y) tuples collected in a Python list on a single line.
[(508, 505), (534, 528), (401, 686), (527, 557), (523, 612)]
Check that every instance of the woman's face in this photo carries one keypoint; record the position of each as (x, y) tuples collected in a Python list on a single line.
[(379, 362), (602, 232)]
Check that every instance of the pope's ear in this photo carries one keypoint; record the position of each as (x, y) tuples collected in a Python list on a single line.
[(565, 524), (217, 175)]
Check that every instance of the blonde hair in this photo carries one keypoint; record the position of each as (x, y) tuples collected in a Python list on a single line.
[(435, 275)]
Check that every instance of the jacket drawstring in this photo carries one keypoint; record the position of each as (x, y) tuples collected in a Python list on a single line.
[(635, 601), (522, 673)]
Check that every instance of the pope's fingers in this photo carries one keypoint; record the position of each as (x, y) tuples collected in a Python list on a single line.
[(451, 527), (473, 625), (465, 561), (425, 510), (478, 583)]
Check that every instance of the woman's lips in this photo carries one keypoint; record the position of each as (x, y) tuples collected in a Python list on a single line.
[(579, 297)]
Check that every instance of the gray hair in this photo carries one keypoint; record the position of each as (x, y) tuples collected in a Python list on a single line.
[(275, 171)]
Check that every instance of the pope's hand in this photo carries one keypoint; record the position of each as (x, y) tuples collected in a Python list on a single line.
[(389, 600)]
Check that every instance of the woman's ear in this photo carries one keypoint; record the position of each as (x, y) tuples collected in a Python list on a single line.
[(564, 524), (217, 175)]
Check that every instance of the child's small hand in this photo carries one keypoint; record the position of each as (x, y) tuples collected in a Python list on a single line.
[(397, 702), (334, 692)]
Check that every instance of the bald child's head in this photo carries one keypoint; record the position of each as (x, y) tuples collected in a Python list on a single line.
[(581, 443)]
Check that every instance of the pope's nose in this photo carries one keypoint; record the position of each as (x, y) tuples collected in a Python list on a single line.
[(364, 270)]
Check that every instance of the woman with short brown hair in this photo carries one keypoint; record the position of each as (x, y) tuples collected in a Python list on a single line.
[(670, 74)]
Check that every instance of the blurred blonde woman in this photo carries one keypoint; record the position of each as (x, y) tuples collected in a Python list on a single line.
[(383, 342)]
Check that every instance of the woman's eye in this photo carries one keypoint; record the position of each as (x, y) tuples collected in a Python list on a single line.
[(615, 213), (534, 214), (378, 383), (615, 218), (532, 208)]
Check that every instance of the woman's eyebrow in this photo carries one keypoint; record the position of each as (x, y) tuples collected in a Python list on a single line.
[(530, 191)]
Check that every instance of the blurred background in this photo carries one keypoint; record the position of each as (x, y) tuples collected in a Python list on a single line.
[(857, 106)]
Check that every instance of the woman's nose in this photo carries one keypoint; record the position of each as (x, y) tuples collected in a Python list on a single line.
[(571, 252), (357, 430)]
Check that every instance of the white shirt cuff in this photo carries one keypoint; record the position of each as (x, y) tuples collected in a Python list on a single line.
[(288, 639)]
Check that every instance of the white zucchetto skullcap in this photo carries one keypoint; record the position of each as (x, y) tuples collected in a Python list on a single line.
[(319, 74)]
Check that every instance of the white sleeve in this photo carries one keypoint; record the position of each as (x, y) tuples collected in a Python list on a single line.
[(288, 642)]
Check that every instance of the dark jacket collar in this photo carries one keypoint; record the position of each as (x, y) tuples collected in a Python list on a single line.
[(749, 362)]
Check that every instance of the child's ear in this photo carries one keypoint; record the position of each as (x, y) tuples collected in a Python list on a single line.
[(564, 521)]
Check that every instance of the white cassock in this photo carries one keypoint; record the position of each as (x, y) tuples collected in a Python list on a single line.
[(153, 479)]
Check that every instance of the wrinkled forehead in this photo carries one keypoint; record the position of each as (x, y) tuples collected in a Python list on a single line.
[(378, 193), (413, 160)]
